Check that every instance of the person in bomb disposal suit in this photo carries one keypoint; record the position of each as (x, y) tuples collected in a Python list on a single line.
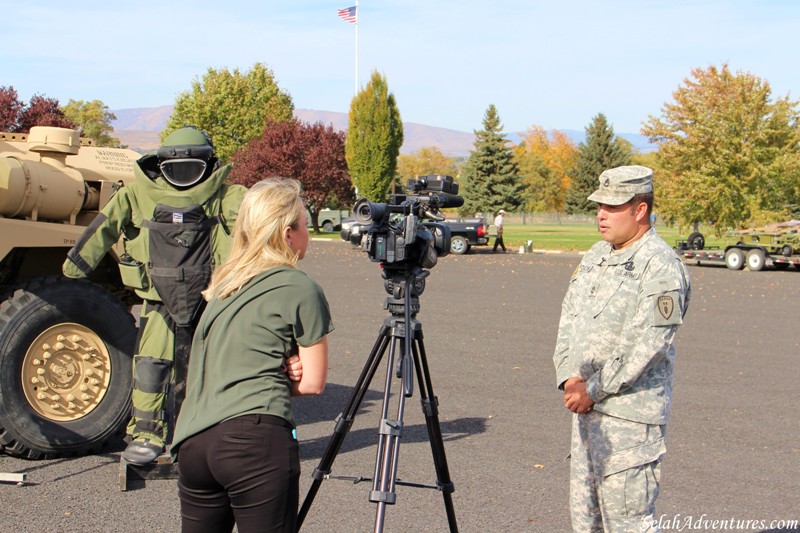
[(615, 357), (175, 219)]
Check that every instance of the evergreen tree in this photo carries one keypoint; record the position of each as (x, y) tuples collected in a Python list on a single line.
[(490, 180), (600, 151), (374, 137)]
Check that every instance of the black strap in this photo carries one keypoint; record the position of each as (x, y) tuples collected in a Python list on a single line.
[(161, 414), (183, 344)]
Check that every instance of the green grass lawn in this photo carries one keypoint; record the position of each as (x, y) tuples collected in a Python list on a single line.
[(573, 237), (580, 237), (567, 237)]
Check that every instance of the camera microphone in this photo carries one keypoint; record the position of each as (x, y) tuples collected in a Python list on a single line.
[(445, 200)]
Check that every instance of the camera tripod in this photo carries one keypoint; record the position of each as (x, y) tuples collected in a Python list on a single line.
[(402, 334)]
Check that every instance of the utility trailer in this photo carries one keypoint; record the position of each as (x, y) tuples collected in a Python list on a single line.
[(736, 258), (775, 246)]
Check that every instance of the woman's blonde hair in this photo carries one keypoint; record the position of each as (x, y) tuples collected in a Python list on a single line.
[(258, 244)]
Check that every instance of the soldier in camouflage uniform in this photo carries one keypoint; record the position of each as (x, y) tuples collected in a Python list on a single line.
[(615, 358), (175, 219)]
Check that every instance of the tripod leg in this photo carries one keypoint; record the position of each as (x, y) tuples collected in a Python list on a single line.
[(386, 457), (345, 420), (430, 406)]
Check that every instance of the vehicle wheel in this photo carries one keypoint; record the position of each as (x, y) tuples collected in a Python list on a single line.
[(65, 368), (327, 226), (787, 251), (756, 260), (696, 241), (459, 245), (734, 259)]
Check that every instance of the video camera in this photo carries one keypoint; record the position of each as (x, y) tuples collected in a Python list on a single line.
[(396, 234)]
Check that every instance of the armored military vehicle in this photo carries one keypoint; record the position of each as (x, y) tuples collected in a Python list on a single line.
[(65, 345)]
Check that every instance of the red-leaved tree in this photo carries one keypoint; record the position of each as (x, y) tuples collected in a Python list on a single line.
[(313, 154), (43, 111), (10, 107), (16, 117)]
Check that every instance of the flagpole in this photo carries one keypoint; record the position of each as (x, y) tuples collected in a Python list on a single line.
[(358, 15)]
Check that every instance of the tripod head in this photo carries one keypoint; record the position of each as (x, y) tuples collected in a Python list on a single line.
[(404, 286)]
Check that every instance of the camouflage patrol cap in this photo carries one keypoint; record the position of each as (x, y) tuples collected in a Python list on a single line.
[(618, 185)]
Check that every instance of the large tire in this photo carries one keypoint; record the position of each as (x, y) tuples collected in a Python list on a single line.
[(327, 226), (787, 251), (459, 245), (756, 260), (696, 241), (65, 368), (734, 259)]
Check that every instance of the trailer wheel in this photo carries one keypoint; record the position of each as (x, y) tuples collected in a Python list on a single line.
[(787, 251), (734, 259), (696, 241), (65, 368), (755, 260), (327, 226), (459, 245)]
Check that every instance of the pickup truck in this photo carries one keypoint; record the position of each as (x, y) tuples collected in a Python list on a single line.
[(464, 233)]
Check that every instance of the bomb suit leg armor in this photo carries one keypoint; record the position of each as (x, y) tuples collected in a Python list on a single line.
[(152, 375)]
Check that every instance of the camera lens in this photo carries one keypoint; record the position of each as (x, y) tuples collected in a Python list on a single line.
[(362, 212), (366, 212)]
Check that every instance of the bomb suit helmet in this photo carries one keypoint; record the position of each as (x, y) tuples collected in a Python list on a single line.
[(186, 157)]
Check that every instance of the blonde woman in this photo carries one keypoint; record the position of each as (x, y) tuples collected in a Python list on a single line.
[(235, 437)]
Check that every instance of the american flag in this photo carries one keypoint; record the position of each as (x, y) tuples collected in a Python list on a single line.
[(348, 14)]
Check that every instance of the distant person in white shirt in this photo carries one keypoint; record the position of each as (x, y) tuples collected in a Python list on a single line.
[(498, 221)]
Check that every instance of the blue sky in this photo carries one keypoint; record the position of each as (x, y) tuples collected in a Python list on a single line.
[(554, 64)]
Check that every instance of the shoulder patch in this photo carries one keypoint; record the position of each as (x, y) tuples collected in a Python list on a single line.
[(666, 308)]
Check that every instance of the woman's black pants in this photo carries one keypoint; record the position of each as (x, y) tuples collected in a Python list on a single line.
[(244, 471)]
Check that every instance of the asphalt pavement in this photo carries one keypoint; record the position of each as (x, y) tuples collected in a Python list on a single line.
[(489, 323)]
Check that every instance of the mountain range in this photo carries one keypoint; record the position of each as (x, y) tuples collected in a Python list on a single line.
[(139, 128)]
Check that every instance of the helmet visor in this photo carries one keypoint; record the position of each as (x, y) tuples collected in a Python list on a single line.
[(183, 172)]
